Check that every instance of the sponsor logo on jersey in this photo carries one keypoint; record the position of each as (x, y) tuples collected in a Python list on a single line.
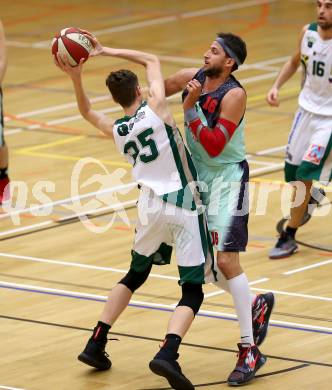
[(304, 59), (311, 41), (123, 130), (314, 154), (139, 116)]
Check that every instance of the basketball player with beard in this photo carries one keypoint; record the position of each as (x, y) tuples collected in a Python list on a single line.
[(214, 104)]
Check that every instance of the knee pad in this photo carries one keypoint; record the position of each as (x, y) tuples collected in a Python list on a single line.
[(192, 296), (133, 279)]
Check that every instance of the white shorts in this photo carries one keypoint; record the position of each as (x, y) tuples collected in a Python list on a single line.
[(163, 225), (309, 149)]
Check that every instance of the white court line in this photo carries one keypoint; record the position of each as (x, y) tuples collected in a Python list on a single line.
[(68, 200), (258, 78), (257, 162), (25, 228), (271, 150), (10, 388), (115, 206), (60, 107), (212, 294), (294, 271), (269, 169), (228, 7), (158, 21), (79, 265), (295, 294), (150, 304)]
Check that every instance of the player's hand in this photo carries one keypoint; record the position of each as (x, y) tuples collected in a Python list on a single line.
[(62, 63), (194, 89), (272, 97), (97, 47)]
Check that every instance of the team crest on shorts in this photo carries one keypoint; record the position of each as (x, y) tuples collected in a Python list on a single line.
[(315, 154)]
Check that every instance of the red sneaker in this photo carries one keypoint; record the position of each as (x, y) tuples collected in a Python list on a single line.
[(4, 190), (250, 359)]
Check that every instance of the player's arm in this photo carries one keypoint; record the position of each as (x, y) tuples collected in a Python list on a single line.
[(178, 81), (233, 107), (97, 119), (156, 94), (3, 53), (287, 71)]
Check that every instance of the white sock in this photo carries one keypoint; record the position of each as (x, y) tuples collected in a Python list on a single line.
[(240, 291), (222, 283)]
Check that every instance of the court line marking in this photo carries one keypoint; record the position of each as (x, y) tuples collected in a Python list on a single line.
[(70, 158), (296, 270), (70, 199), (156, 21), (60, 107), (305, 296), (46, 145), (10, 388), (24, 228), (155, 306), (90, 266), (214, 293), (80, 265), (271, 150), (115, 206)]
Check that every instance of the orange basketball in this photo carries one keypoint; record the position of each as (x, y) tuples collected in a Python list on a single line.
[(71, 42)]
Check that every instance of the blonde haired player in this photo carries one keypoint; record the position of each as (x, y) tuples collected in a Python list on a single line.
[(309, 149)]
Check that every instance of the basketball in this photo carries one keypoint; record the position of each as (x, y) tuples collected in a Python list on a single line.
[(71, 42)]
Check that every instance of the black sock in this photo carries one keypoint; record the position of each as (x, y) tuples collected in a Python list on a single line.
[(172, 342), (3, 173), (100, 331), (291, 231)]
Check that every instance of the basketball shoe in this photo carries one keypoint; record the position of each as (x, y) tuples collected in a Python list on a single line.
[(94, 355), (165, 364), (261, 312), (250, 359), (285, 247)]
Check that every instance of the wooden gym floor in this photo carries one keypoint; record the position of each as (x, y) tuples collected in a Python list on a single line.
[(55, 272)]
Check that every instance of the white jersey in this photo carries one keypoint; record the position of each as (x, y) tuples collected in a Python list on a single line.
[(157, 153), (316, 57)]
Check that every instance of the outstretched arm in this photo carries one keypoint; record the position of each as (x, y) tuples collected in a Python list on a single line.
[(97, 119), (149, 61), (287, 71), (3, 53), (178, 81)]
